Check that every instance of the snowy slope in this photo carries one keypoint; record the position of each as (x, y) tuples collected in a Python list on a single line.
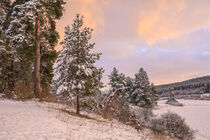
[(195, 112), (36, 121), (22, 121)]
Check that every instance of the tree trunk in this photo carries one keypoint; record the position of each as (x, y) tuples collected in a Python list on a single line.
[(11, 84), (78, 108), (37, 86)]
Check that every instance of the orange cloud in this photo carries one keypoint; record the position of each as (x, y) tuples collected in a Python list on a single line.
[(90, 9), (159, 18)]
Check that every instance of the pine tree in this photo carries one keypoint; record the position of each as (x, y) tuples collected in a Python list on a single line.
[(141, 95), (77, 74), (117, 81), (21, 32), (129, 86), (5, 56), (154, 94)]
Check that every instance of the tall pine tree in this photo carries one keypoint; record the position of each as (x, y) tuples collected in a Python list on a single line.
[(21, 32), (5, 55), (77, 74)]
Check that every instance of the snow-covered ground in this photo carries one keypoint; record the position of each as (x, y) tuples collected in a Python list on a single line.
[(195, 112), (38, 121)]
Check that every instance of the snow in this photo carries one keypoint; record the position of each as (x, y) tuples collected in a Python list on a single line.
[(20, 120), (195, 112), (31, 120)]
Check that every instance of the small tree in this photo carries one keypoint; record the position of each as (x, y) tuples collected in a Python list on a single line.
[(141, 95), (117, 80), (75, 67), (154, 94), (172, 99)]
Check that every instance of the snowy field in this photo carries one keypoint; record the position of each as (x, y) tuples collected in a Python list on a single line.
[(195, 112), (36, 121)]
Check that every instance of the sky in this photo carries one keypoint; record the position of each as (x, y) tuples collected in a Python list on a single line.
[(170, 39)]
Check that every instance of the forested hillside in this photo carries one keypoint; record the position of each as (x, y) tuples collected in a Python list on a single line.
[(189, 88)]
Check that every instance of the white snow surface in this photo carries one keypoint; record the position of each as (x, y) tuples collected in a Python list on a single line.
[(195, 112), (39, 121)]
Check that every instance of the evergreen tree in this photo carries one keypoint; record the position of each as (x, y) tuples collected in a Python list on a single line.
[(21, 31), (117, 81), (129, 86), (141, 95), (4, 7), (154, 94), (5, 56), (207, 88), (77, 74)]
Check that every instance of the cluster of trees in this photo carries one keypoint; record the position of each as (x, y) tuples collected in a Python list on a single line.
[(28, 38), (139, 90)]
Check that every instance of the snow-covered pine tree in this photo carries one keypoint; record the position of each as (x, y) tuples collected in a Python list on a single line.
[(5, 56), (141, 95), (77, 74), (21, 30), (129, 86), (4, 7), (117, 81)]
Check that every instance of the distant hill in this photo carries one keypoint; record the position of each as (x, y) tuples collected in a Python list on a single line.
[(191, 88)]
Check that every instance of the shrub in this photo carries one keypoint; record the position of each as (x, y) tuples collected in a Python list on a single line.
[(94, 103), (119, 109), (22, 91), (145, 115), (173, 125)]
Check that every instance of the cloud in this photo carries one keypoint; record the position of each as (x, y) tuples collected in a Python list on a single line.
[(93, 13), (118, 49), (166, 19), (92, 10), (192, 42), (167, 61), (206, 53)]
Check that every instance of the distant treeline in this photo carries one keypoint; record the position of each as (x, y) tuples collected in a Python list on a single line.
[(194, 86)]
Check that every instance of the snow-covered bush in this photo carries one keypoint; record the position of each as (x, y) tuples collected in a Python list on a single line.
[(173, 125), (136, 122), (116, 106), (121, 110), (94, 103), (145, 115)]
